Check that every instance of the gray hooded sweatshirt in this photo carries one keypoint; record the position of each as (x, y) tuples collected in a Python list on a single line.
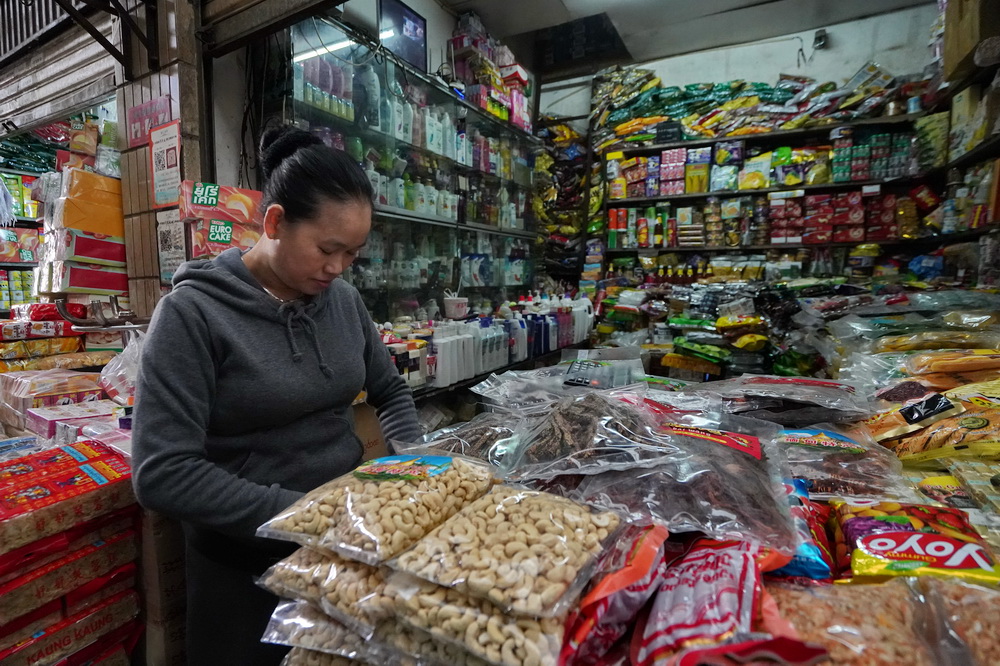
[(244, 403)]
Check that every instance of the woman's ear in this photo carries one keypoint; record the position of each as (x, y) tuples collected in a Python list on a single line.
[(274, 218)]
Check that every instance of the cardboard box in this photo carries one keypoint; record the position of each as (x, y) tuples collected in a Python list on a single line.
[(73, 277), (104, 340), (368, 430), (18, 245), (208, 201), (84, 247), (42, 420), (966, 23), (162, 568), (70, 213), (209, 238), (165, 644), (91, 187)]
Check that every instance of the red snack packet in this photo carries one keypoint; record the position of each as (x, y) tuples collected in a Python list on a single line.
[(891, 539), (709, 594), (635, 571)]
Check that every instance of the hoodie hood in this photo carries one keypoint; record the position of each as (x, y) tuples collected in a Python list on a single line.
[(227, 280)]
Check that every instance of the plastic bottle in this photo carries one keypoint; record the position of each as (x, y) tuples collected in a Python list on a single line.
[(448, 135), (368, 102), (397, 195), (432, 195), (420, 194), (409, 193), (407, 129), (373, 176), (398, 116), (433, 131), (462, 147), (419, 128), (387, 124)]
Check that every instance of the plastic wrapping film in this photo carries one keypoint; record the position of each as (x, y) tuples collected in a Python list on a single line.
[(383, 507), (724, 481), (971, 613), (529, 553), (297, 624), (304, 657), (488, 437), (350, 592), (800, 400)]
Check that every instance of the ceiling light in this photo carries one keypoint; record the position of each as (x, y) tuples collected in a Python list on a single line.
[(385, 34)]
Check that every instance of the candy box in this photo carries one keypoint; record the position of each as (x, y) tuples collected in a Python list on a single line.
[(35, 508), (18, 245), (815, 235), (42, 420), (85, 247), (43, 462), (70, 213), (848, 234), (75, 277), (877, 539), (83, 185)]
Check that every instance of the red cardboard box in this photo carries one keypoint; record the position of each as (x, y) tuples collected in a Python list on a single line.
[(74, 277), (816, 235), (849, 234)]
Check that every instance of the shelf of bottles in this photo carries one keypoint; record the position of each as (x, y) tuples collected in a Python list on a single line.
[(453, 184)]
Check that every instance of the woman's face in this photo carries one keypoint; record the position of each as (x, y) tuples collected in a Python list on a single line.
[(310, 254)]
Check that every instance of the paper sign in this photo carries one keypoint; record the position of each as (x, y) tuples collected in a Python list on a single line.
[(165, 164), (144, 117)]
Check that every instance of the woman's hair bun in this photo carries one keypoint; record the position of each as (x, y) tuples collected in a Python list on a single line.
[(278, 144)]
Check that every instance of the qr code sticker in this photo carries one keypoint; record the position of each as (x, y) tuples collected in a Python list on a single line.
[(159, 160)]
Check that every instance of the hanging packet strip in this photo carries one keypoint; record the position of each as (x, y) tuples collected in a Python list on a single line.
[(637, 568), (709, 594)]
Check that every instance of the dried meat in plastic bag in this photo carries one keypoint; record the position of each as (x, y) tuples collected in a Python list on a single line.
[(709, 594), (860, 625), (875, 539), (635, 567), (803, 400), (488, 437), (476, 625), (351, 592), (527, 552), (813, 558), (724, 483), (585, 435), (383, 507), (838, 462)]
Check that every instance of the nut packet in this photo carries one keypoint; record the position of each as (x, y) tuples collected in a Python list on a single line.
[(383, 507), (476, 625), (966, 611), (879, 539), (351, 592), (527, 552), (298, 624), (303, 657)]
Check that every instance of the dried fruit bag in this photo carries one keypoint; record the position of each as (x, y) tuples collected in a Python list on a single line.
[(836, 462), (892, 539), (488, 436), (709, 594)]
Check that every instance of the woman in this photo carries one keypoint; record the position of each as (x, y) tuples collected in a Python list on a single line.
[(247, 378)]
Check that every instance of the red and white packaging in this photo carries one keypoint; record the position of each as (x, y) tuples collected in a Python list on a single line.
[(45, 311), (709, 594), (42, 420)]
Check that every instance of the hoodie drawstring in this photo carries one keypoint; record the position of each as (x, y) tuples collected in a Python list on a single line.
[(295, 311)]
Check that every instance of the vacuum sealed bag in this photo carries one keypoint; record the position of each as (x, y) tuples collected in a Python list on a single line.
[(383, 507), (487, 437), (528, 553), (839, 462), (724, 483)]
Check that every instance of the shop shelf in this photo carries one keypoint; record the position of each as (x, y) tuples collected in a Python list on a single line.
[(767, 137), (429, 392), (960, 237), (987, 150), (313, 115), (513, 233), (30, 220), (848, 185), (404, 215)]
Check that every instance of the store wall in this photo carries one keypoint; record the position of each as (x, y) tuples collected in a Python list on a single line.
[(897, 41)]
